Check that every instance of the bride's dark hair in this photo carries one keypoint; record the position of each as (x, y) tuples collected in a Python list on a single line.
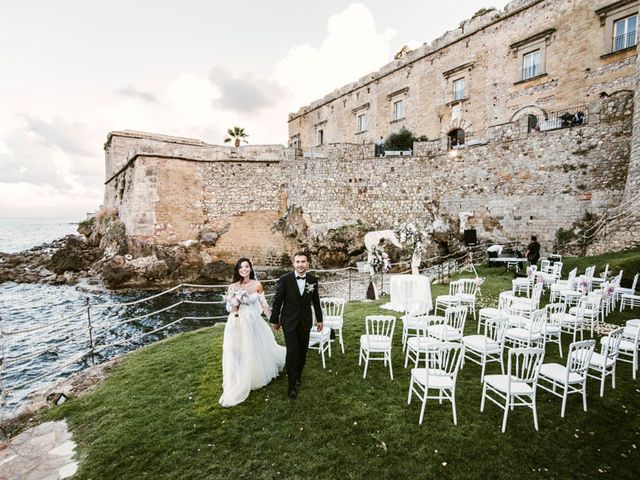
[(236, 270)]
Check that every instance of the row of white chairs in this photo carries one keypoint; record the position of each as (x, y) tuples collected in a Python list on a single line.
[(442, 357)]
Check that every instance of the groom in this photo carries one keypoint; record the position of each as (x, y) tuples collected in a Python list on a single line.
[(295, 294)]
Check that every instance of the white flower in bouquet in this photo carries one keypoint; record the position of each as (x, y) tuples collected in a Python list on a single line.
[(239, 297)]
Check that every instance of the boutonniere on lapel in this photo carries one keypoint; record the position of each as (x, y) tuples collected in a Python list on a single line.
[(310, 287)]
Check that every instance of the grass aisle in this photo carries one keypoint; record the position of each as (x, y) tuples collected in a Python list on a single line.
[(157, 416)]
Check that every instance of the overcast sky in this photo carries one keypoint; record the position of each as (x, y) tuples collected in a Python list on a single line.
[(74, 70)]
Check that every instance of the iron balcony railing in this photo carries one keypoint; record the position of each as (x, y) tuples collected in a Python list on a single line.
[(569, 117)]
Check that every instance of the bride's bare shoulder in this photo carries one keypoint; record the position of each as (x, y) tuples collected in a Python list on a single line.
[(259, 287)]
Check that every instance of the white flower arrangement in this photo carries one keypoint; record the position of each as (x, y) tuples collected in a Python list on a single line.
[(380, 260), (310, 288), (410, 236)]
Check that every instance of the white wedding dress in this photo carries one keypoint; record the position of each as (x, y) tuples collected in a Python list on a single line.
[(251, 358)]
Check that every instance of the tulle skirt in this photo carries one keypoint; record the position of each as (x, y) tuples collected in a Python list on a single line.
[(251, 357)]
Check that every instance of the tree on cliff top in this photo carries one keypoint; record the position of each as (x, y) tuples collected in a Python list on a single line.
[(237, 134)]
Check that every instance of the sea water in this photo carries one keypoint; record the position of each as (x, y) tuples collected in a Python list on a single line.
[(38, 357), (17, 234)]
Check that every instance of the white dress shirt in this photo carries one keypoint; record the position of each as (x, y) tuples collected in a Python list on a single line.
[(301, 282)]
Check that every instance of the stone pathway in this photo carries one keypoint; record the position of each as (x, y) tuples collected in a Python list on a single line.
[(44, 452)]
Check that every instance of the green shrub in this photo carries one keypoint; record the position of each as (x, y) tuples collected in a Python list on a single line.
[(401, 140), (578, 237)]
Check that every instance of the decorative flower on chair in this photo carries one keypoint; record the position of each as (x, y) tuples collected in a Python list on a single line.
[(609, 290), (583, 285), (478, 281), (541, 278)]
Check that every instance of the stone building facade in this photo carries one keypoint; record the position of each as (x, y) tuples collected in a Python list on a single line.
[(536, 57), (508, 180)]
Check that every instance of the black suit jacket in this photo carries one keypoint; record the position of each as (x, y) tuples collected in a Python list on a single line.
[(290, 308)]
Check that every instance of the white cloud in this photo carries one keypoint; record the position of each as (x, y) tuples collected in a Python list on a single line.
[(352, 48), (51, 163)]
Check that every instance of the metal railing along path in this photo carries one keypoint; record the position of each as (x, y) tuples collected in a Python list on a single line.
[(100, 335)]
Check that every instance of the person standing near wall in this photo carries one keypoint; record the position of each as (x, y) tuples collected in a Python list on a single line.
[(533, 251), (381, 146)]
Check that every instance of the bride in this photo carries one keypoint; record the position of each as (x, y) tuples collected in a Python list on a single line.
[(251, 358)]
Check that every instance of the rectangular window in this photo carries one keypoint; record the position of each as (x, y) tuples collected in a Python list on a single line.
[(625, 33), (362, 122), (320, 137), (398, 110), (458, 89), (531, 65)]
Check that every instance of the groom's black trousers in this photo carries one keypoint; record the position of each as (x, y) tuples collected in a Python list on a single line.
[(297, 341)]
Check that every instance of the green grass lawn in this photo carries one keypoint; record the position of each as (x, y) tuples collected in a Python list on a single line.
[(629, 261), (157, 416)]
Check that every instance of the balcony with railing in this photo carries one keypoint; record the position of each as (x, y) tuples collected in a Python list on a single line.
[(569, 117)]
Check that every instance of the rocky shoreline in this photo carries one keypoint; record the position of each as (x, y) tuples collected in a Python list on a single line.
[(102, 257)]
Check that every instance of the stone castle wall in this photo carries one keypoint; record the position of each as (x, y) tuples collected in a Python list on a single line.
[(510, 181), (621, 227), (487, 52), (514, 189), (513, 186), (176, 191)]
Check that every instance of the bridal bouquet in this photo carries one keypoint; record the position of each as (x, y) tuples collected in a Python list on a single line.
[(238, 297)]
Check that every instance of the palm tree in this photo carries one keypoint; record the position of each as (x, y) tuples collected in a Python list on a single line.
[(237, 134)]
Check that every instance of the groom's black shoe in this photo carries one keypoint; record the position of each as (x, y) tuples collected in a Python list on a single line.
[(293, 394)]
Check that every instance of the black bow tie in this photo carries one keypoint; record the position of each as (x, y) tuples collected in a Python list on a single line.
[(300, 278)]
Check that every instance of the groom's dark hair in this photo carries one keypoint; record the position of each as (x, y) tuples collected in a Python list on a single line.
[(302, 254)]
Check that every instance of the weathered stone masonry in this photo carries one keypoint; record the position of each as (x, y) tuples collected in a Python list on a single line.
[(514, 181), (513, 187)]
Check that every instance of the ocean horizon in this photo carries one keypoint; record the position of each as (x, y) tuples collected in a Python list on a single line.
[(22, 233)]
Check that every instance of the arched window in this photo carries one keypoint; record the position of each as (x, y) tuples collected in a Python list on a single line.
[(456, 137), (532, 123)]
